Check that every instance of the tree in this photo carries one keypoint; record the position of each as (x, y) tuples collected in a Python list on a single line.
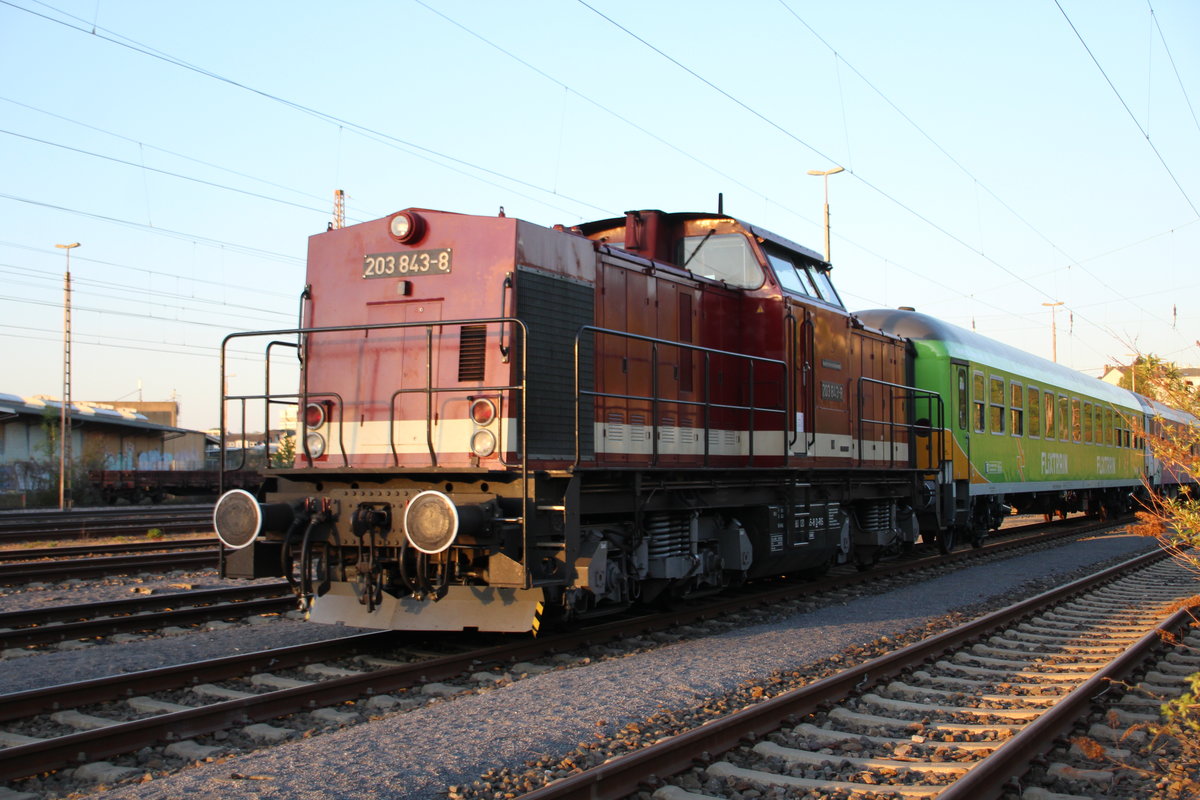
[(1173, 518), (285, 455), (1152, 376)]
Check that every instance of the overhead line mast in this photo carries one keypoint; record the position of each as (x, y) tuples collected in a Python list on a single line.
[(339, 209)]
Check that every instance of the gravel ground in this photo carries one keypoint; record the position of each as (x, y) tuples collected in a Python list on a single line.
[(419, 753)]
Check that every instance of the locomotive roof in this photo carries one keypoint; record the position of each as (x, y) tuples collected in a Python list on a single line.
[(588, 228), (969, 346)]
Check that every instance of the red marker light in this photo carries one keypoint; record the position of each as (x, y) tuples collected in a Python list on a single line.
[(314, 415), (483, 411)]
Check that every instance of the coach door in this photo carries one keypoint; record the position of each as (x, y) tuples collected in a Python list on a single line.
[(969, 414)]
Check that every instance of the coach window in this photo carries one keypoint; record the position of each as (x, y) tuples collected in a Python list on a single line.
[(1048, 403), (1035, 407), (1087, 423), (977, 400), (997, 404), (1064, 417), (1016, 411), (722, 257), (1108, 426), (1076, 422), (962, 399)]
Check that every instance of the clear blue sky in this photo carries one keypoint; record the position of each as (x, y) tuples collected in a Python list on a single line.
[(998, 156)]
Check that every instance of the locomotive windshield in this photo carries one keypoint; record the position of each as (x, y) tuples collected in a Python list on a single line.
[(802, 278), (721, 257)]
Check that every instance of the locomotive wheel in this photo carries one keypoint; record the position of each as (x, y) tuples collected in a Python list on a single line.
[(866, 557), (946, 539)]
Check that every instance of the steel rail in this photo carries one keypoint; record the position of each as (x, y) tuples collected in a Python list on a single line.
[(29, 759), (134, 605), (986, 780), (23, 760), (13, 573), (43, 529), (32, 553), (625, 775), (140, 621)]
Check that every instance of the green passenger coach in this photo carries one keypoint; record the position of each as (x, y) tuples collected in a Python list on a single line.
[(1024, 433)]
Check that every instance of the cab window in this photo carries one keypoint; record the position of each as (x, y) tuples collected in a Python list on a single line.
[(824, 286), (789, 278), (722, 257)]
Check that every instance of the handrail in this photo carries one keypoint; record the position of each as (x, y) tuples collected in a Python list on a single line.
[(913, 396), (654, 398), (429, 390)]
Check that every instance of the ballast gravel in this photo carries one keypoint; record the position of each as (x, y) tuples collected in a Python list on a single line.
[(419, 753)]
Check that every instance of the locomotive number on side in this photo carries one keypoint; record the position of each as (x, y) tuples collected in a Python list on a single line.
[(414, 262)]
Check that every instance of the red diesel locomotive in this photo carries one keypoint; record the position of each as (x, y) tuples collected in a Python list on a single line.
[(503, 421)]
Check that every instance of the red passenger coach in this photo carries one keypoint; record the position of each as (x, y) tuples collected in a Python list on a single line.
[(502, 420)]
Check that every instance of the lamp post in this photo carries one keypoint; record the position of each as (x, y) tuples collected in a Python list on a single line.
[(825, 176), (64, 431), (1053, 330)]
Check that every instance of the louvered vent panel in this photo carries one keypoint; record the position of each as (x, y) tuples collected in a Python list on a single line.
[(472, 341), (554, 308)]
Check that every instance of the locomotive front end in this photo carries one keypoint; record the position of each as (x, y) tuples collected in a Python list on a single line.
[(410, 504)]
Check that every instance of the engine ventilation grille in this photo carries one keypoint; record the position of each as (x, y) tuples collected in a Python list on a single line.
[(472, 352)]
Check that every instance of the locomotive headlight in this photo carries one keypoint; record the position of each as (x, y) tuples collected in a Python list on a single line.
[(483, 411), (314, 415), (316, 444), (239, 518), (483, 443), (431, 522), (407, 226)]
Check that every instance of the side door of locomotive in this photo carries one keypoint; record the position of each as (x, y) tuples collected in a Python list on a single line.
[(817, 349), (801, 335)]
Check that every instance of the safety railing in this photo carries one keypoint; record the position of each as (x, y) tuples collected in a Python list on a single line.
[(914, 419), (706, 404), (301, 399)]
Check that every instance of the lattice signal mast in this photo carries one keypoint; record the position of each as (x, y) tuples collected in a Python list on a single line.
[(339, 209)]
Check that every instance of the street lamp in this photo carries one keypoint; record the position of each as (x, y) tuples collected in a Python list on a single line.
[(64, 437), (1053, 330), (825, 176)]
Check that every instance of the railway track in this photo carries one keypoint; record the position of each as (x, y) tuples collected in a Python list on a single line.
[(959, 728), (345, 673), (92, 620), (95, 523), (15, 573), (116, 548)]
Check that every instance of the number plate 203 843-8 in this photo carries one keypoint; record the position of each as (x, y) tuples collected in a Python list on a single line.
[(413, 262)]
